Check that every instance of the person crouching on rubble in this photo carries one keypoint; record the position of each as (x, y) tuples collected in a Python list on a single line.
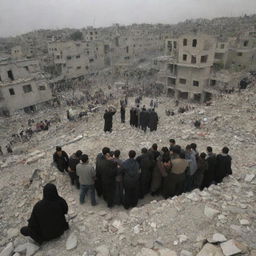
[(47, 220)]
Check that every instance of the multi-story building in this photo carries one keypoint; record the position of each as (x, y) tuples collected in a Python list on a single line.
[(74, 59), (198, 66), (22, 86), (188, 69)]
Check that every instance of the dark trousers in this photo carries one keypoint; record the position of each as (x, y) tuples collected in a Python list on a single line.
[(173, 185), (189, 183), (74, 179), (130, 195), (109, 193), (26, 231), (84, 190)]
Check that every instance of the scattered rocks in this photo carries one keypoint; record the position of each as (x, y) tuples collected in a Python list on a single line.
[(7, 251), (102, 250), (210, 250), (28, 248)]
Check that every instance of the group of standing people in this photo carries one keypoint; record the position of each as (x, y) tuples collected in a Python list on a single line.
[(144, 118), (168, 172)]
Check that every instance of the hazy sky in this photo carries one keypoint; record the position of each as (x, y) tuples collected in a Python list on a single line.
[(20, 16)]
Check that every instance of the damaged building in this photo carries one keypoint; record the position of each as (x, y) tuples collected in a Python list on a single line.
[(22, 86), (197, 66)]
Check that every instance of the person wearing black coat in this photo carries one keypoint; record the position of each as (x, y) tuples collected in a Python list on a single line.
[(131, 181), (47, 220), (146, 164), (108, 177), (223, 165), (73, 162), (209, 175), (99, 160), (108, 117), (122, 111), (153, 120), (144, 119), (61, 160)]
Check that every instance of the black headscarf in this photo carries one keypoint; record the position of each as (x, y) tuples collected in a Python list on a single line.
[(50, 192)]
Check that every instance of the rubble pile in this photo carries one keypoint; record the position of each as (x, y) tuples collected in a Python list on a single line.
[(219, 220)]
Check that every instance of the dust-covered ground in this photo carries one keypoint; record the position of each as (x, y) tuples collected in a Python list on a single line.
[(177, 226)]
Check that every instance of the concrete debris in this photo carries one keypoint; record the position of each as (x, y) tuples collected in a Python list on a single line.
[(230, 248), (7, 251), (210, 212), (71, 242), (210, 250)]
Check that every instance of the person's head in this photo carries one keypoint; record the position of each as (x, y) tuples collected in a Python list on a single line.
[(50, 192), (84, 158), (78, 153), (225, 150), (154, 146), (172, 142), (193, 146), (182, 154), (144, 151), (209, 149), (203, 155), (108, 156), (105, 150), (111, 153), (59, 151), (188, 148), (166, 160), (117, 153), (176, 149), (165, 150), (132, 154)]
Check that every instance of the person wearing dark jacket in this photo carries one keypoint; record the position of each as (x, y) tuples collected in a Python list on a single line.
[(99, 159), (146, 164), (223, 165), (144, 119), (202, 167), (209, 175), (108, 176), (61, 160), (47, 220), (153, 120), (73, 162), (131, 181), (108, 117), (122, 111)]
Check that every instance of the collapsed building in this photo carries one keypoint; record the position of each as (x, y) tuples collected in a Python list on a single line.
[(22, 86)]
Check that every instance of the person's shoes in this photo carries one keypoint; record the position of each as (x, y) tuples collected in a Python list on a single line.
[(94, 204)]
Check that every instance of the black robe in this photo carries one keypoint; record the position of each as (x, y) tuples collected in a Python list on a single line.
[(61, 162), (146, 165), (47, 220), (108, 174), (122, 114), (153, 121), (144, 120), (223, 167), (108, 117), (98, 181), (209, 175)]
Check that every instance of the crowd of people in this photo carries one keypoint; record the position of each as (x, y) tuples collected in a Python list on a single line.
[(168, 172)]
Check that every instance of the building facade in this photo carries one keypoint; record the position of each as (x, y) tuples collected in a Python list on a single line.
[(22, 86)]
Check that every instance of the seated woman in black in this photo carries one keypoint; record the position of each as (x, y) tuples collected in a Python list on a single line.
[(47, 220)]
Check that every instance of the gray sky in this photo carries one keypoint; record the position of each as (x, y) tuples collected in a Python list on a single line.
[(20, 16)]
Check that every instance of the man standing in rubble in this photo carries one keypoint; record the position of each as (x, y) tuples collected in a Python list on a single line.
[(122, 111), (108, 117)]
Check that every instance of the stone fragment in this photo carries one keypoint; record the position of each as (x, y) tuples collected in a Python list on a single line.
[(182, 238), (249, 177), (102, 213), (230, 248), (7, 251), (12, 232), (28, 248), (217, 238), (210, 250), (210, 212), (71, 242), (244, 222), (186, 253), (166, 252), (147, 252), (102, 250)]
